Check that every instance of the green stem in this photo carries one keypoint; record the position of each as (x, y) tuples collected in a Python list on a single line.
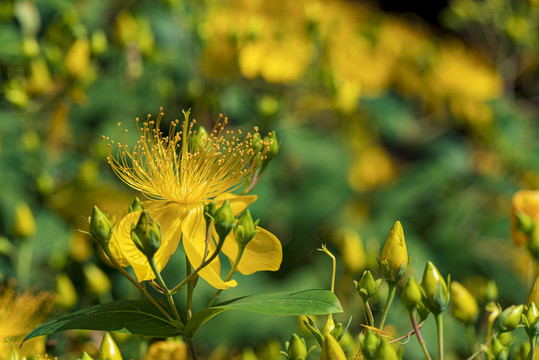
[(161, 283), (203, 265), (24, 264), (440, 331), (390, 295), (137, 284), (418, 334), (241, 249), (533, 345), (369, 312), (192, 349), (190, 288), (471, 337)]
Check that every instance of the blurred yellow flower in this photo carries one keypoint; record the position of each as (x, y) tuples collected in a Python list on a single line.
[(276, 60), (527, 203), (19, 314), (180, 173), (372, 167), (460, 73)]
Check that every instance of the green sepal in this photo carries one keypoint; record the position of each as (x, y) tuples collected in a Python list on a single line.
[(309, 324)]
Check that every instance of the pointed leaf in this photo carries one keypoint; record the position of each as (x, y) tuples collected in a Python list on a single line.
[(138, 317), (306, 302)]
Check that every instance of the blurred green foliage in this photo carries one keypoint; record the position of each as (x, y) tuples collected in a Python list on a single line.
[(380, 118)]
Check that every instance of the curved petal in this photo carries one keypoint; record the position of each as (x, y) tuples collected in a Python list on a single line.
[(238, 203), (169, 217), (263, 252), (194, 236)]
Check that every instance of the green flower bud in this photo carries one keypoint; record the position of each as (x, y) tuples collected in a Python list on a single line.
[(523, 350), (273, 145), (499, 351), (411, 294), (100, 227), (385, 351), (109, 350), (224, 220), (435, 288), (198, 139), (463, 305), (256, 142), (509, 318), (245, 229), (146, 235), (394, 260), (136, 205), (490, 291), (85, 356), (24, 224), (367, 286), (506, 338), (531, 320), (296, 349), (369, 344), (533, 242), (331, 350), (66, 294), (534, 293), (96, 280)]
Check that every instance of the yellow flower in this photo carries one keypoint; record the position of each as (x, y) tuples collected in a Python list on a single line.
[(19, 314), (179, 174)]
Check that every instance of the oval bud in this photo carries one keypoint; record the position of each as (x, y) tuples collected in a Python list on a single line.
[(331, 350), (367, 286), (273, 145), (534, 293), (385, 351), (463, 305), (245, 229), (146, 235), (66, 294), (531, 320), (394, 260), (509, 318), (296, 348), (369, 344), (100, 227), (136, 205), (97, 281), (24, 224), (224, 220), (411, 294), (435, 288), (109, 350), (85, 356)]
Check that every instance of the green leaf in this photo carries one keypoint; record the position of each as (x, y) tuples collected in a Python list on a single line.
[(199, 319), (307, 302), (138, 317)]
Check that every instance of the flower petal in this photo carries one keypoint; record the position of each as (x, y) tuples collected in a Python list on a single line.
[(238, 203), (194, 236), (124, 249), (263, 252)]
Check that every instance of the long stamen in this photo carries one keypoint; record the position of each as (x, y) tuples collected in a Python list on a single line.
[(166, 168)]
